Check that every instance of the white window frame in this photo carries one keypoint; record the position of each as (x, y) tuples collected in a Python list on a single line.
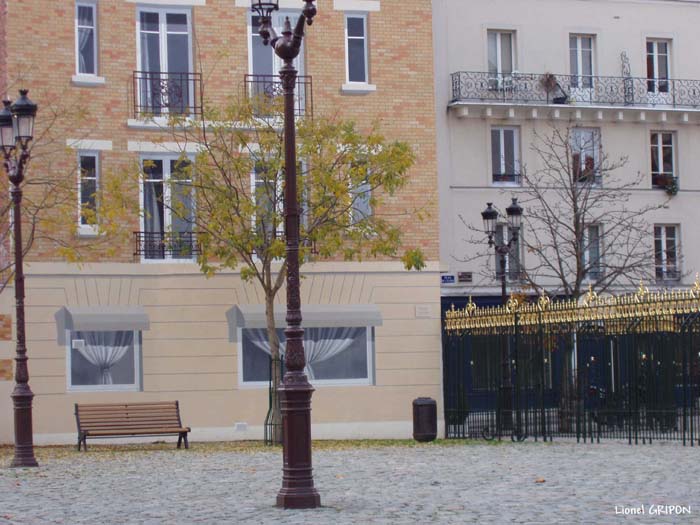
[(277, 63), (580, 76), (93, 7), (136, 387), (657, 148), (586, 255), (167, 214), (163, 43), (664, 262), (280, 200), (655, 54), (363, 17), (516, 154), (88, 229), (576, 144), (499, 51), (369, 330)]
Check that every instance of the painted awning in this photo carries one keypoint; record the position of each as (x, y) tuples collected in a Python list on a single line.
[(313, 316), (99, 318)]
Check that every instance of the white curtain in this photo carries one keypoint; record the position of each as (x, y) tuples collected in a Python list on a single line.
[(320, 344), (104, 350), (85, 40)]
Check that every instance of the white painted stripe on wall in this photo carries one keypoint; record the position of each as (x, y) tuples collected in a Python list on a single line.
[(284, 4), (348, 430), (356, 5), (88, 144), (168, 2), (163, 147)]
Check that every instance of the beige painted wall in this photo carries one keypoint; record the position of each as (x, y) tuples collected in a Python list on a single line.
[(187, 355)]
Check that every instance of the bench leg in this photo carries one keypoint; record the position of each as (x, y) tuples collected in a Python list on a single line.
[(85, 443), (80, 440), (179, 440), (187, 444)]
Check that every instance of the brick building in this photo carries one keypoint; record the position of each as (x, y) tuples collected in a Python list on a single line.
[(179, 335)]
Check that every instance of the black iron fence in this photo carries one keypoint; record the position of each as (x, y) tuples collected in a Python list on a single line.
[(546, 88), (265, 88), (166, 245), (157, 93), (620, 368)]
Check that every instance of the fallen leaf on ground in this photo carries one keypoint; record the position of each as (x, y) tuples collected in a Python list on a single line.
[(540, 480)]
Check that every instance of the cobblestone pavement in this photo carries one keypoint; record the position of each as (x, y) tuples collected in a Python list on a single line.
[(466, 483)]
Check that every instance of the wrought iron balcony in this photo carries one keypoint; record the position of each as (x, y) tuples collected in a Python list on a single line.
[(514, 178), (664, 181), (166, 245), (263, 87), (667, 273), (546, 88), (159, 94)]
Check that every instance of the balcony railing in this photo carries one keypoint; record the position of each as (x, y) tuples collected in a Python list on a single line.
[(664, 181), (158, 94), (263, 87), (513, 178), (545, 88), (666, 273), (166, 245)]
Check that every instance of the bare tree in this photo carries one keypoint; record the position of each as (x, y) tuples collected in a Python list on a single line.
[(581, 226)]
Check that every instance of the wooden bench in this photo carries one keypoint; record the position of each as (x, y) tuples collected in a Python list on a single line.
[(106, 420)]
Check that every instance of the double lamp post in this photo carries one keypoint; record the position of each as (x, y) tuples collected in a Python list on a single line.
[(16, 132), (295, 392)]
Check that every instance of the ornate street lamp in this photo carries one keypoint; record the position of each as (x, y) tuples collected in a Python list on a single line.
[(17, 129), (295, 392), (514, 214)]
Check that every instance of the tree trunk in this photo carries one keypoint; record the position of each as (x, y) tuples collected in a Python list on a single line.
[(274, 414)]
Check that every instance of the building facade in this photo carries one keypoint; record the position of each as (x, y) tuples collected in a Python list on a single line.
[(618, 76), (138, 322)]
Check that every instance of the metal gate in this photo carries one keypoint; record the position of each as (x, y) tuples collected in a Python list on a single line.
[(615, 367)]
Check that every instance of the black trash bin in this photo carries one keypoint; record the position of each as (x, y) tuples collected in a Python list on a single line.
[(424, 419)]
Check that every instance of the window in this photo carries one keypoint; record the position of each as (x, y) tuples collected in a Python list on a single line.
[(168, 209), (666, 252), (590, 251), (505, 154), (658, 68), (165, 80), (581, 61), (356, 48), (86, 38), (662, 159), (88, 166), (512, 259), (585, 144), (500, 56), (361, 208), (104, 360), (268, 196), (334, 355)]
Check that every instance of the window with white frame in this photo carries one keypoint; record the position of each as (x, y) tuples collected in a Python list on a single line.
[(662, 159), (165, 80), (167, 204), (667, 251), (86, 38), (268, 197), (501, 51), (513, 267), (505, 154), (658, 65), (88, 169), (581, 61), (104, 360), (590, 251), (356, 65), (585, 154), (334, 355)]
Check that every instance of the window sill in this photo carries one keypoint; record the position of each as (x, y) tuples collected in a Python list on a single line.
[(357, 88), (504, 183), (87, 80), (87, 231)]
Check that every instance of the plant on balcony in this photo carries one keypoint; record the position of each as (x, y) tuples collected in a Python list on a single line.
[(671, 186), (549, 83)]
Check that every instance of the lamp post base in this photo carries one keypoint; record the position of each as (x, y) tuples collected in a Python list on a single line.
[(24, 443), (298, 491)]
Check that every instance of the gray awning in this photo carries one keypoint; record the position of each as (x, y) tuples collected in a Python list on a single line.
[(313, 316), (99, 318)]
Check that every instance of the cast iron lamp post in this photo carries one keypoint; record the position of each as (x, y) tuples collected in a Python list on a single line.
[(295, 392), (514, 214), (17, 129)]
